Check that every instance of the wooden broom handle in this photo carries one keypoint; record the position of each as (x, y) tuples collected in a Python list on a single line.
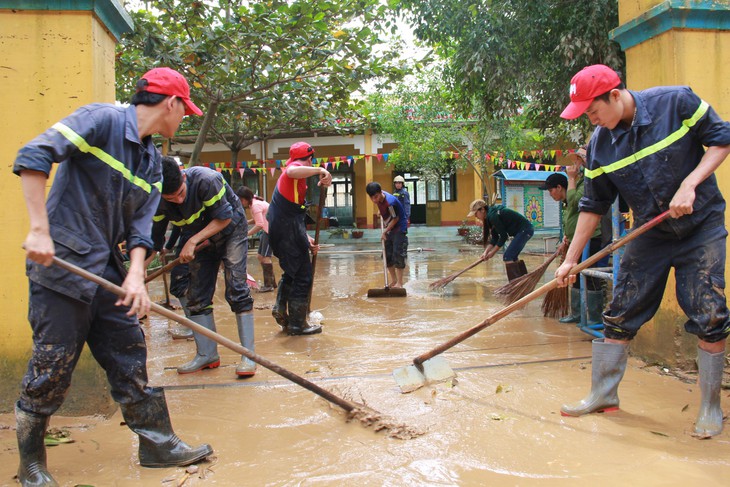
[(490, 320), (170, 265), (111, 287), (322, 199)]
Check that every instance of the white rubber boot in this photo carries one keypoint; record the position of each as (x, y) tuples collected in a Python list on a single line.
[(609, 365), (247, 367)]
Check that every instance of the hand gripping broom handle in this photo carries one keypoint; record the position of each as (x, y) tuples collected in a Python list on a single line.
[(490, 320), (167, 267), (346, 405)]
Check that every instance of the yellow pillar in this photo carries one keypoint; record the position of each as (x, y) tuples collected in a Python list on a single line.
[(53, 62), (369, 207), (676, 42)]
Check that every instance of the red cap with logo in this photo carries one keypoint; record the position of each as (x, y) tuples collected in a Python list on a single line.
[(166, 81), (589, 83), (300, 150)]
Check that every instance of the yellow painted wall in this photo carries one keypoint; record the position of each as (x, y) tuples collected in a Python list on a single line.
[(52, 63), (697, 58)]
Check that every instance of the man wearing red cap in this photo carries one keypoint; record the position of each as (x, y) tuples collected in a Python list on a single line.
[(649, 148), (105, 192), (291, 243)]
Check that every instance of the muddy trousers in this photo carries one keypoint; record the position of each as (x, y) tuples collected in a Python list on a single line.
[(61, 325)]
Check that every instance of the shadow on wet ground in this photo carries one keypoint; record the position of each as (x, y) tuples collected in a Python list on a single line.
[(497, 423)]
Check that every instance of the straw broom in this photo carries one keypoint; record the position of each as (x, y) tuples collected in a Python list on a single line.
[(518, 288), (446, 280), (555, 304)]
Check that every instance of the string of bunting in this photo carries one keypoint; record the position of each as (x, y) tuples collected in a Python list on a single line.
[(535, 160)]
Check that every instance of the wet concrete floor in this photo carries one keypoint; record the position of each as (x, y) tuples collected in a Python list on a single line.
[(497, 423)]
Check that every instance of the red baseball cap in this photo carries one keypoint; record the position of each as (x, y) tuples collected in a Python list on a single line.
[(590, 82), (300, 150), (166, 81)]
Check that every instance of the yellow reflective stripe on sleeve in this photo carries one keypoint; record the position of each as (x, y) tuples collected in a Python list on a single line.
[(158, 218), (83, 146), (652, 149), (196, 215)]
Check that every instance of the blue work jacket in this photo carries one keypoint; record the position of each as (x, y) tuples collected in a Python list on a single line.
[(208, 198), (647, 162), (105, 192)]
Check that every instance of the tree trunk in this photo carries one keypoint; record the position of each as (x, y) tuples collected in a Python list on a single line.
[(203, 134)]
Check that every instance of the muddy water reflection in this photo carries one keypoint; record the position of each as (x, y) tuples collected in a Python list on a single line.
[(497, 424)]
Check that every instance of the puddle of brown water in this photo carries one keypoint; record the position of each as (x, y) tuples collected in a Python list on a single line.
[(497, 424)]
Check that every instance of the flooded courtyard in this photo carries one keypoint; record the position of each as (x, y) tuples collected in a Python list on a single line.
[(496, 423)]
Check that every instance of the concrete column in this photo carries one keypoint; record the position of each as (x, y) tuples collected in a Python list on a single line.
[(676, 42), (57, 55)]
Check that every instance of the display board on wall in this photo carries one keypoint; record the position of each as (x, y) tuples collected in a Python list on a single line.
[(535, 204)]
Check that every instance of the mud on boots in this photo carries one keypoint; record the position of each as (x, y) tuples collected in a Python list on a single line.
[(31, 432), (206, 356), (278, 311), (269, 279), (709, 418), (298, 324), (180, 332), (247, 367), (159, 446), (609, 365)]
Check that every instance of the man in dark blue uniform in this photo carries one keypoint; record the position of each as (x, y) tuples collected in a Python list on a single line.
[(649, 148), (200, 201), (105, 192)]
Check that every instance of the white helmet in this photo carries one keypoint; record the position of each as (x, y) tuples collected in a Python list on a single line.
[(399, 179)]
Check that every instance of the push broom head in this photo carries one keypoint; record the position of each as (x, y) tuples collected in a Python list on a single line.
[(387, 292)]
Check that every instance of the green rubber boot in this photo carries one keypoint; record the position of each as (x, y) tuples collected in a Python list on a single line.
[(574, 316)]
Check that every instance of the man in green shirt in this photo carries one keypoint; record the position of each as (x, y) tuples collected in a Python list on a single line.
[(569, 191), (500, 223)]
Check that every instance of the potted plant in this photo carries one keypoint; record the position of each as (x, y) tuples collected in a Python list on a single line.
[(463, 229), (355, 232)]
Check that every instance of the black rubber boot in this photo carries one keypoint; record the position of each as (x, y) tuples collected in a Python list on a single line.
[(513, 269), (574, 316), (31, 431), (278, 311), (298, 323), (609, 365), (709, 418), (159, 446), (522, 267), (269, 279)]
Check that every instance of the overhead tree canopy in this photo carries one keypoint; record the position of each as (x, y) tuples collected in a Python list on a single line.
[(258, 68), (517, 56), (433, 141)]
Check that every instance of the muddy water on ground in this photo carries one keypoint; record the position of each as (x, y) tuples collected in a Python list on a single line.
[(498, 423)]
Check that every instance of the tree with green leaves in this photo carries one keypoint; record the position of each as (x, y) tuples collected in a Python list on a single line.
[(434, 142), (510, 57), (261, 68)]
